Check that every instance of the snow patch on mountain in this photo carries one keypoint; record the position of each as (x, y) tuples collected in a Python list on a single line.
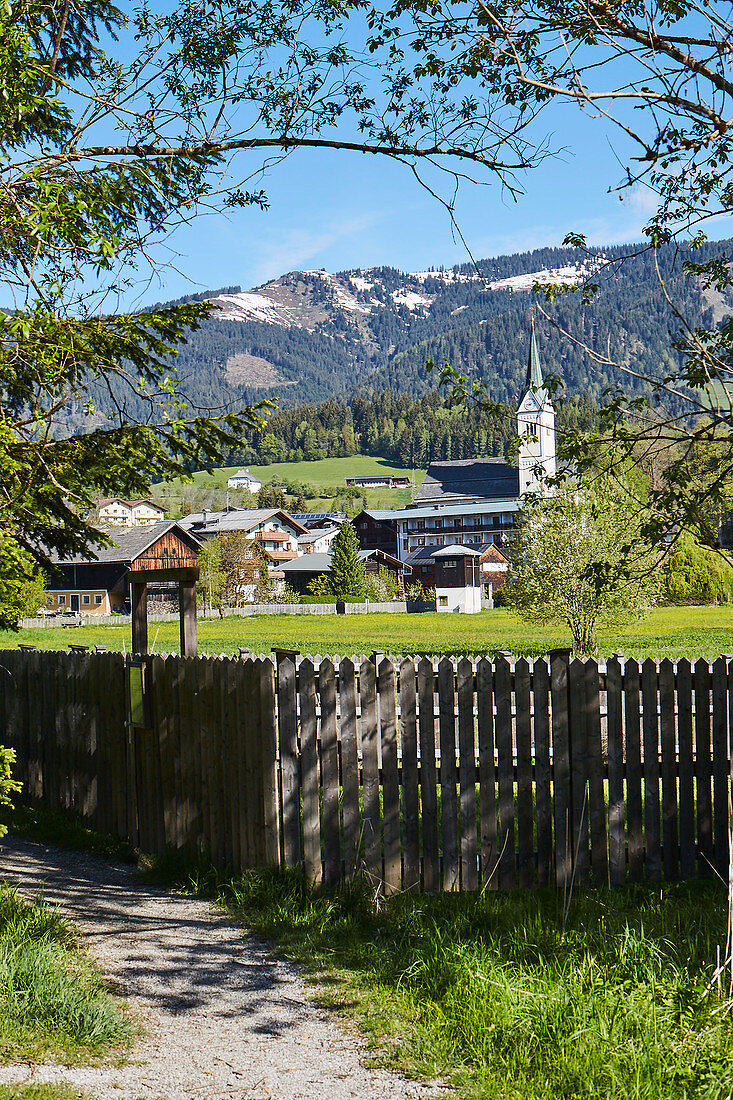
[(254, 306), (571, 275), (408, 298)]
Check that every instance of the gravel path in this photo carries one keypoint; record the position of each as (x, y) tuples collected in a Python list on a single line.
[(222, 1017)]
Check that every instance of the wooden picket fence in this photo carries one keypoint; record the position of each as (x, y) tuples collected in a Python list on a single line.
[(416, 774)]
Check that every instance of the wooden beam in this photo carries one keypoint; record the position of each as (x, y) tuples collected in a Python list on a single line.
[(189, 626), (139, 593), (189, 573)]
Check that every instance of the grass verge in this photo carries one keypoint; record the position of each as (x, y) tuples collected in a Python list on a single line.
[(501, 994), (53, 1002), (40, 1092), (503, 998)]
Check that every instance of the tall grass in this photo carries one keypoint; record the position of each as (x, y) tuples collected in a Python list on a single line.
[(52, 1000), (502, 996)]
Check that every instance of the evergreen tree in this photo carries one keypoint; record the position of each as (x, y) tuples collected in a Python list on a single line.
[(348, 575)]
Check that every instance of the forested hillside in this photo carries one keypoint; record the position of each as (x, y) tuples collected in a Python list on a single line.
[(311, 336)]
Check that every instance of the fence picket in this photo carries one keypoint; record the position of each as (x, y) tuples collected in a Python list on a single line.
[(721, 766), (309, 770), (410, 804), (349, 766), (596, 793), (428, 776), (543, 795), (703, 770), (525, 822), (686, 769), (633, 772), (329, 775), (268, 808), (448, 775), (390, 781), (579, 768), (467, 776), (562, 784), (287, 708), (670, 852), (505, 753), (487, 773), (615, 751), (650, 724), (370, 772)]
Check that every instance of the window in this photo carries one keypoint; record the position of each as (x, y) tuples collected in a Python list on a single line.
[(85, 599), (442, 601), (49, 601), (450, 563), (424, 568), (98, 599), (62, 599)]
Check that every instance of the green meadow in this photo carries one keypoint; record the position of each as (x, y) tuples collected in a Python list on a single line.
[(667, 632), (325, 478)]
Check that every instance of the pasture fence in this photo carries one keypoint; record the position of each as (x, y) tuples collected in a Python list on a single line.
[(418, 773)]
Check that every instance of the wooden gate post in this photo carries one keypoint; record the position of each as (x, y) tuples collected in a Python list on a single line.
[(189, 625), (139, 591)]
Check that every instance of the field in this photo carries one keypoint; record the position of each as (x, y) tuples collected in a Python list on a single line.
[(208, 488), (667, 632)]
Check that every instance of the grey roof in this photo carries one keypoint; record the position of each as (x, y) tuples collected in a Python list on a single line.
[(313, 536), (469, 479), (429, 553), (429, 510), (321, 563), (128, 544), (307, 563), (456, 550), (307, 518), (233, 519)]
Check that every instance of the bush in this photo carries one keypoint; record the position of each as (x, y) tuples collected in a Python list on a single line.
[(694, 574)]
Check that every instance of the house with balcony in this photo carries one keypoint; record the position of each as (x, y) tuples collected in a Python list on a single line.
[(274, 530), (473, 502)]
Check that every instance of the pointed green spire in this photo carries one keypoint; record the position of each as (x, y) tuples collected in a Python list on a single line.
[(534, 381)]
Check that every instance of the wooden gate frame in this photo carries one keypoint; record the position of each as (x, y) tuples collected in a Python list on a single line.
[(139, 580)]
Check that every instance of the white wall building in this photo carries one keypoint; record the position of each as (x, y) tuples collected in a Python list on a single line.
[(116, 512), (536, 428), (243, 479)]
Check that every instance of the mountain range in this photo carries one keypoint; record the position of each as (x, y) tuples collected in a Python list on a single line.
[(311, 335)]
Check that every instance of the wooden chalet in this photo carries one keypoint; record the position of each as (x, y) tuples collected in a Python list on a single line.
[(98, 583)]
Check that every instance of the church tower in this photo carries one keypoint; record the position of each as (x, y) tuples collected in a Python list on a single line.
[(535, 427)]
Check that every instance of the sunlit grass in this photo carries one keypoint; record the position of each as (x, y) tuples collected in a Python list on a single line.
[(53, 1001), (501, 996), (667, 632)]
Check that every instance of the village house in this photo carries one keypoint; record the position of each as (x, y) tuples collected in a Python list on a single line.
[(472, 502), (380, 481), (318, 541), (243, 479), (116, 512), (274, 530), (454, 572), (300, 572), (97, 582)]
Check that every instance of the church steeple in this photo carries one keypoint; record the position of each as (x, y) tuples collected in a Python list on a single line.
[(535, 426), (534, 379)]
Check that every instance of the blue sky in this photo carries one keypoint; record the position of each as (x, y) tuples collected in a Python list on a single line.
[(339, 210)]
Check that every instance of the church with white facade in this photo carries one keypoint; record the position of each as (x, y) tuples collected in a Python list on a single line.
[(472, 502)]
